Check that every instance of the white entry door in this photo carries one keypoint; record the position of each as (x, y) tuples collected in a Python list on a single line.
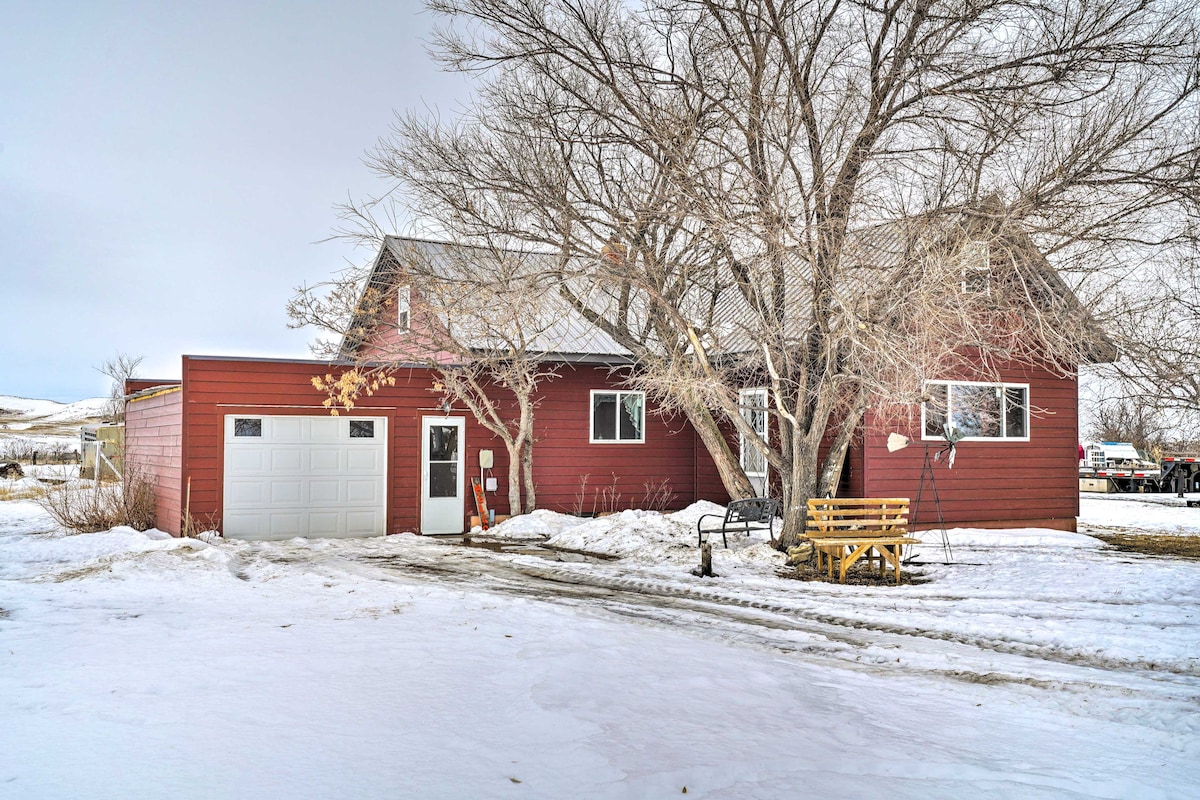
[(442, 449), (291, 476), (753, 403)]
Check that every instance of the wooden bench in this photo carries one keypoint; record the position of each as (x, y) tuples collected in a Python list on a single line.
[(755, 514), (848, 528)]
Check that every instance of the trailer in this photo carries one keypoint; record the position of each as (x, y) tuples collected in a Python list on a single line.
[(1180, 474), (1117, 467)]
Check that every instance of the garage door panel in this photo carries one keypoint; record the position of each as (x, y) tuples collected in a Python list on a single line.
[(363, 492), (287, 459), (325, 491), (289, 476), (248, 526), (323, 523), (364, 523), (325, 429), (325, 459), (245, 462), (244, 493), (286, 492), (286, 524), (287, 429), (364, 460)]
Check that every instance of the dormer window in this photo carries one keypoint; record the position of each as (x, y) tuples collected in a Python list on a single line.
[(402, 308), (977, 268)]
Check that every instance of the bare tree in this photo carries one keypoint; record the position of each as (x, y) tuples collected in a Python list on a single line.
[(120, 368), (836, 200), (477, 315)]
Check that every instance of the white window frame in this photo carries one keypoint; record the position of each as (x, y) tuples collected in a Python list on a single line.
[(1003, 422), (620, 393), (977, 258), (744, 398), (403, 308)]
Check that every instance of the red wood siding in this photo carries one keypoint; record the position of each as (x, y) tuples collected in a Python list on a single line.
[(420, 343), (154, 450), (562, 453), (993, 483)]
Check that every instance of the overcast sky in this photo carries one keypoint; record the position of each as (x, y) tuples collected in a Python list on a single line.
[(167, 169)]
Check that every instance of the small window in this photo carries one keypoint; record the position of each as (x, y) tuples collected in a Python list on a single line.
[(976, 410), (247, 426), (618, 416), (403, 297), (362, 429)]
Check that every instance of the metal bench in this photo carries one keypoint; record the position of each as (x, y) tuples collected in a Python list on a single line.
[(755, 514)]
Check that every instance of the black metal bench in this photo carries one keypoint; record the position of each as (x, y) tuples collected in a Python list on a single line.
[(755, 514)]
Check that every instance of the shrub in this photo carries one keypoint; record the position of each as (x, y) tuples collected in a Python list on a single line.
[(87, 509)]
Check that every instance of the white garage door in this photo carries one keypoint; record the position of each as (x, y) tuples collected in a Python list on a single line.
[(291, 476)]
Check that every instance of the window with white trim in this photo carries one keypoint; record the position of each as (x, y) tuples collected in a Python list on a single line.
[(977, 268), (976, 410), (753, 406), (618, 416), (403, 297)]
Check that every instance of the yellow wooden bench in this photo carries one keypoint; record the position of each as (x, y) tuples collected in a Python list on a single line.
[(848, 528)]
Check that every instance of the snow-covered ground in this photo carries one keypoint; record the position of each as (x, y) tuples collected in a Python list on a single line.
[(1037, 664)]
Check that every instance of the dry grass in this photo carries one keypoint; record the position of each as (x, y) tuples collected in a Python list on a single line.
[(88, 510), (858, 575), (21, 492), (1153, 544)]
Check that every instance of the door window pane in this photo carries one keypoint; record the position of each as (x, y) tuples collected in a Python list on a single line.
[(443, 479), (362, 429), (443, 443)]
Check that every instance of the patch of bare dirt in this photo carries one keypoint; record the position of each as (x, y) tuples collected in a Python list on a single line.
[(1153, 544), (858, 575)]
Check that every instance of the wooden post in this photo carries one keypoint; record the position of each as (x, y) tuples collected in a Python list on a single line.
[(705, 568)]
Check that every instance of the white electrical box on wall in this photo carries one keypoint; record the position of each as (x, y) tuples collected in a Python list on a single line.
[(490, 484), (485, 459)]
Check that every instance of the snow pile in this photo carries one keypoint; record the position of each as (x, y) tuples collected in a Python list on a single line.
[(536, 525), (651, 537)]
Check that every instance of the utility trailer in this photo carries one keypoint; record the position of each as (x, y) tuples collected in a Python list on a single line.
[(1180, 474), (1117, 467)]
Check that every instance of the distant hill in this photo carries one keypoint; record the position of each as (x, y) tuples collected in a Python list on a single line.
[(47, 425)]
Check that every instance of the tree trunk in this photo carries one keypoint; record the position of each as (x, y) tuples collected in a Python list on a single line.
[(831, 470), (527, 474), (796, 493), (514, 479), (730, 469)]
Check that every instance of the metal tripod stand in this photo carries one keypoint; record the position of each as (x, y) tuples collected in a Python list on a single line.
[(927, 473)]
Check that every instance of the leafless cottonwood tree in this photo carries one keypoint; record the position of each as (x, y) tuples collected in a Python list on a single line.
[(475, 314), (120, 368), (792, 192)]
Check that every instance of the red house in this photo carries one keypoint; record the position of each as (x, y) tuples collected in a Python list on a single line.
[(247, 446)]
